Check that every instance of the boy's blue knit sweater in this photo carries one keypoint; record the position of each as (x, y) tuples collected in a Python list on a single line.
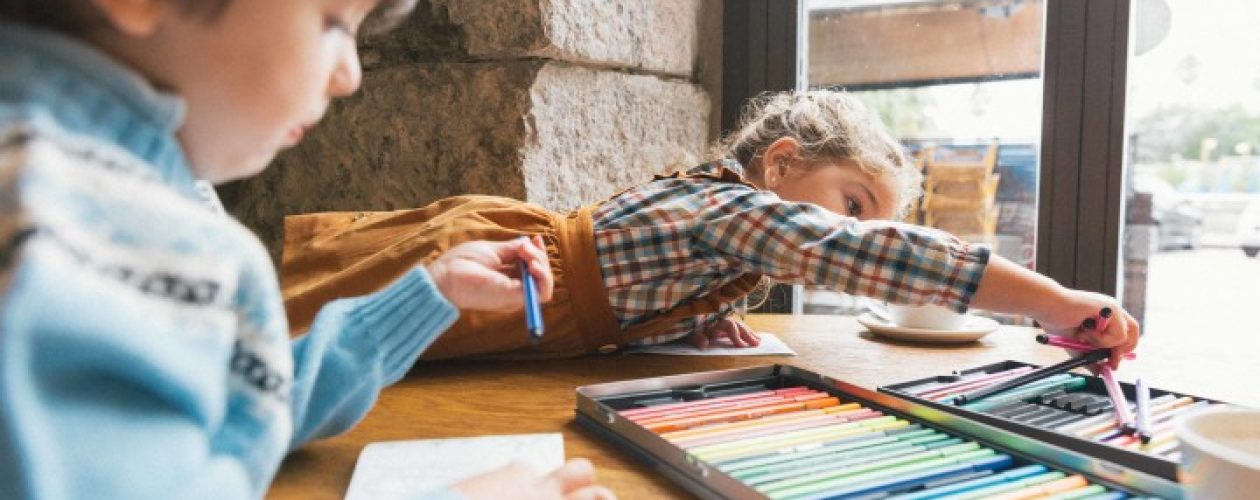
[(143, 345)]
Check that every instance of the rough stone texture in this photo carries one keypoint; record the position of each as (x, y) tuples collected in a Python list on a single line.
[(551, 133), (659, 36), (598, 131)]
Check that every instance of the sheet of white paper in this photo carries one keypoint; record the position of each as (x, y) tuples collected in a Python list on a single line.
[(770, 345), (403, 469)]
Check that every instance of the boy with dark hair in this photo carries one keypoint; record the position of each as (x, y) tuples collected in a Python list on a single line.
[(144, 350)]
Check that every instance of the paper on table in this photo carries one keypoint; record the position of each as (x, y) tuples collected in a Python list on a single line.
[(770, 345), (404, 469)]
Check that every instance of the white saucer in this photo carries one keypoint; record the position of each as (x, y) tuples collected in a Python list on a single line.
[(975, 328)]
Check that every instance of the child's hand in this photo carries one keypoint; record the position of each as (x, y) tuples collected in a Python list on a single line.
[(739, 334), (1064, 318), (484, 275), (574, 481)]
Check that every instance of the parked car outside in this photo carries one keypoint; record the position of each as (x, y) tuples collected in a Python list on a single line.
[(1249, 235), (1180, 223)]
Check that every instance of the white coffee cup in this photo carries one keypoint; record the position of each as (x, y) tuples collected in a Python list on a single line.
[(1220, 453), (926, 317)]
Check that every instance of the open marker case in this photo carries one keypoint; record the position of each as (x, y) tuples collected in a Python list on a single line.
[(598, 406), (1139, 460)]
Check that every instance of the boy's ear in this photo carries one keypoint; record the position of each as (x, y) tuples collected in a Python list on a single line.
[(777, 158), (135, 18)]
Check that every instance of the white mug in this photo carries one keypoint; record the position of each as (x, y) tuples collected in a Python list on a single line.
[(1220, 453), (927, 317)]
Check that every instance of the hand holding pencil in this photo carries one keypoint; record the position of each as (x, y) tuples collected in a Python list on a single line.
[(485, 275)]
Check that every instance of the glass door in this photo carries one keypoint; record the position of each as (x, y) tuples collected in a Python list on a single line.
[(1192, 216)]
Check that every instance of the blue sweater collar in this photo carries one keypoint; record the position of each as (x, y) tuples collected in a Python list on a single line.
[(88, 93)]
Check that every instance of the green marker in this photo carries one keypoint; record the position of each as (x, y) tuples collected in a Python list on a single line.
[(1072, 384), (884, 461), (867, 472), (759, 474), (832, 447)]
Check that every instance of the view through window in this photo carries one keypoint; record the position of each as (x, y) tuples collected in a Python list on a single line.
[(1192, 236), (959, 83)]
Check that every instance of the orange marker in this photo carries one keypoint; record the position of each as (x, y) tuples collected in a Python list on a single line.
[(843, 409), (1037, 490), (740, 414), (754, 403), (635, 412)]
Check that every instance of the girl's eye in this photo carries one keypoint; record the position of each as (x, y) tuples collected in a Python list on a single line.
[(855, 208)]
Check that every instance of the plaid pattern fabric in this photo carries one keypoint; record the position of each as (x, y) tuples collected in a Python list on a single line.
[(673, 240)]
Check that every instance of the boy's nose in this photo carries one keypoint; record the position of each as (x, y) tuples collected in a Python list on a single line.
[(348, 75)]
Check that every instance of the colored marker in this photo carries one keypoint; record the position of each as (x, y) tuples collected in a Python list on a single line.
[(774, 428), (639, 412), (895, 484), (738, 414), (1038, 374), (911, 433), (1069, 343), (746, 447), (854, 476), (1045, 489), (1118, 403), (968, 383), (733, 406), (886, 459), (1143, 412), (763, 473), (1019, 484), (1072, 383), (999, 478), (1099, 322), (533, 308), (1082, 492), (841, 411)]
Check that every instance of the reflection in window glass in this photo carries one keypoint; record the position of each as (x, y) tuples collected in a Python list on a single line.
[(959, 83)]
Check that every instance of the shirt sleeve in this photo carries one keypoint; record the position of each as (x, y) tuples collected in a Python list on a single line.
[(357, 346), (806, 244)]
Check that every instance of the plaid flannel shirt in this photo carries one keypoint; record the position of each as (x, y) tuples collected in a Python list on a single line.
[(673, 240)]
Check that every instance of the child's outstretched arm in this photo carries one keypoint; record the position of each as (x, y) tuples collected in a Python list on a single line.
[(902, 263), (1010, 288)]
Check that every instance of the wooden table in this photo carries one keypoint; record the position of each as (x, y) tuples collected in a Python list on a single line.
[(458, 399)]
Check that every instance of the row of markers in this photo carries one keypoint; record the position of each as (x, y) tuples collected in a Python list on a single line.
[(1061, 404), (801, 443)]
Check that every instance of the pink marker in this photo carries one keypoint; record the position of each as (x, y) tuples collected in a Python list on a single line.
[(1099, 322), (1075, 345), (1123, 418)]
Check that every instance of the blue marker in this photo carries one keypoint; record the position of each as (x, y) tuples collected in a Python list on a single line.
[(533, 309), (1002, 477)]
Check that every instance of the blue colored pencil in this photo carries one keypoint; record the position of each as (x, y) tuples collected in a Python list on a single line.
[(1001, 477)]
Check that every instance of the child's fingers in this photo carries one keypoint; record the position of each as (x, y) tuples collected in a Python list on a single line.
[(700, 340), (746, 334), (573, 475), (591, 493), (529, 250), (730, 329)]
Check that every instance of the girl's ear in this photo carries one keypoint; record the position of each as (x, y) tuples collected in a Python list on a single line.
[(776, 160), (134, 18)]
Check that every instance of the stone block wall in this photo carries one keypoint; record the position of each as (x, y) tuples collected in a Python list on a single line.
[(557, 102)]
